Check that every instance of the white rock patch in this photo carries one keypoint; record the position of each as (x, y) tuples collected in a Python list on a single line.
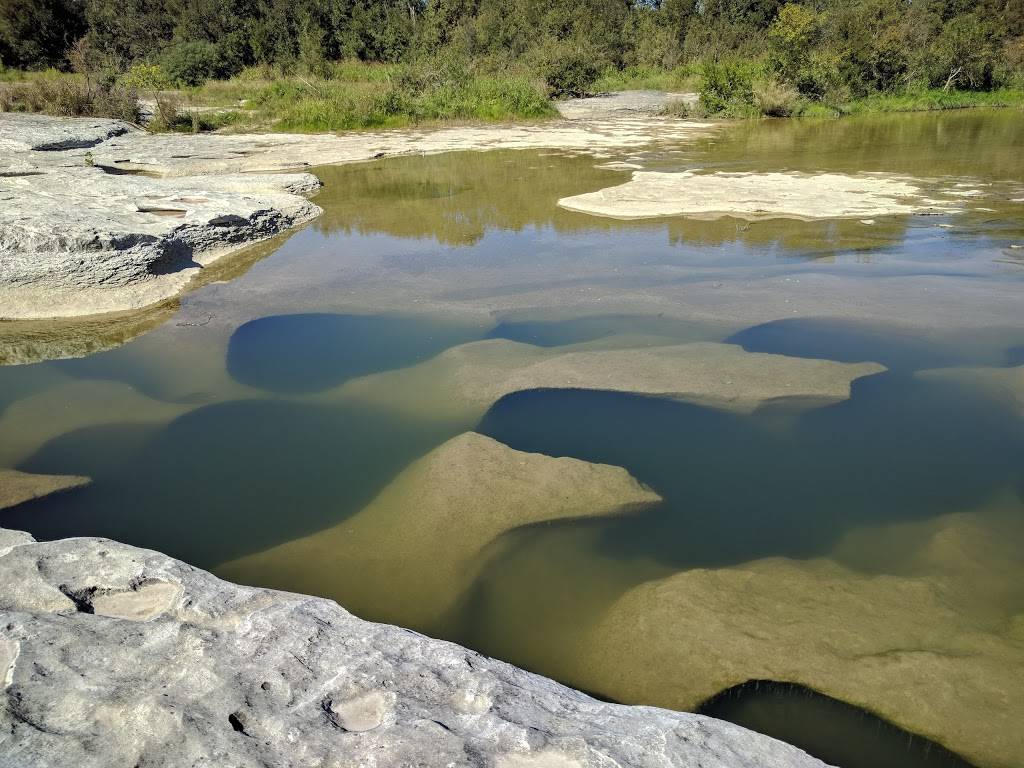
[(652, 194)]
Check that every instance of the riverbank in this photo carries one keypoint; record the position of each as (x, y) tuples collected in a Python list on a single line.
[(103, 217), (182, 666)]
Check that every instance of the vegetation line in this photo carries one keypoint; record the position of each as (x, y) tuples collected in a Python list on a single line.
[(328, 65)]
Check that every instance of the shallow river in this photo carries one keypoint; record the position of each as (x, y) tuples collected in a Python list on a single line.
[(869, 547)]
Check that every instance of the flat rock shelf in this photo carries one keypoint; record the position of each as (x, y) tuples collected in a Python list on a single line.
[(186, 669)]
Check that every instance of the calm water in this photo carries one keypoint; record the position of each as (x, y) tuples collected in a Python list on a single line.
[(236, 421)]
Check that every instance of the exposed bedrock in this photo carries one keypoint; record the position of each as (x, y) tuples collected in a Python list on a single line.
[(81, 233), (42, 133), (112, 655), (760, 195), (82, 241)]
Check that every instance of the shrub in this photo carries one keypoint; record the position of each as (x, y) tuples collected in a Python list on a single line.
[(965, 54), (72, 96), (792, 37), (570, 70), (192, 63), (775, 99), (146, 77), (727, 87)]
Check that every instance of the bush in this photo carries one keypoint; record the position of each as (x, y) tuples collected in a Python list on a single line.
[(192, 63), (792, 37), (774, 99), (727, 87), (570, 70), (71, 96), (146, 77)]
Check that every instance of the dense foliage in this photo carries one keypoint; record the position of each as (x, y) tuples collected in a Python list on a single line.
[(749, 52)]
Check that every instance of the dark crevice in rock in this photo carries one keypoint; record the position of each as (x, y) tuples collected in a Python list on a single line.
[(82, 598), (237, 720)]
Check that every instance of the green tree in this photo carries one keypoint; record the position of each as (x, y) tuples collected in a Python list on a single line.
[(38, 33)]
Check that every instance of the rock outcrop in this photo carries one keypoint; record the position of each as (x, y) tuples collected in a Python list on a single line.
[(435, 520), (621, 103), (98, 242), (112, 655), (760, 196), (42, 133), (82, 233)]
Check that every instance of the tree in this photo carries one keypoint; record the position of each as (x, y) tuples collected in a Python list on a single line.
[(38, 33)]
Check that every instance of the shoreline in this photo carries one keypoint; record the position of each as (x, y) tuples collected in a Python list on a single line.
[(110, 219), (171, 677)]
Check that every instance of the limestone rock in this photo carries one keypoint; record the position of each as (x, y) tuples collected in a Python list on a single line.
[(621, 102), (42, 133), (426, 533), (758, 196), (224, 674), (1003, 384), (83, 241), (18, 487), (29, 423)]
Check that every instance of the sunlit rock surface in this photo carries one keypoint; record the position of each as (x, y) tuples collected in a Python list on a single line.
[(759, 195), (112, 655), (622, 103), (18, 487), (81, 241), (42, 133), (425, 534), (932, 642), (474, 376)]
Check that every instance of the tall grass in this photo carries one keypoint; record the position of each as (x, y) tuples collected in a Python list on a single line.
[(69, 96), (682, 78), (361, 96), (934, 99)]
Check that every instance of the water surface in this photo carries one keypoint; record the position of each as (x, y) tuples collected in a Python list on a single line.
[(231, 422)]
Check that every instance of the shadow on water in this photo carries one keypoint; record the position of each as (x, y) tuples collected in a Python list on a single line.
[(738, 488), (223, 480), (853, 342), (831, 730), (313, 352), (577, 330)]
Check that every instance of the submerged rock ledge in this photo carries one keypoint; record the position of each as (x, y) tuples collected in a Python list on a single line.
[(113, 655)]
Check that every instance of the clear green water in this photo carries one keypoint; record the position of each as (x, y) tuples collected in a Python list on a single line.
[(233, 423)]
